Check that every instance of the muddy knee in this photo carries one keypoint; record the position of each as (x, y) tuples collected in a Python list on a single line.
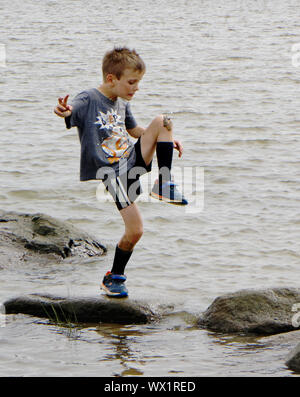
[(134, 236), (130, 239)]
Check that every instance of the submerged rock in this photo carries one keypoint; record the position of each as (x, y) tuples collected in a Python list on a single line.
[(263, 312), (80, 309), (26, 236), (293, 359)]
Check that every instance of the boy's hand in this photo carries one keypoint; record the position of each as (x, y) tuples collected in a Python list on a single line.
[(63, 109), (178, 146)]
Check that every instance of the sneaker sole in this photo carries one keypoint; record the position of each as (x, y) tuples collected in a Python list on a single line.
[(166, 200), (113, 294)]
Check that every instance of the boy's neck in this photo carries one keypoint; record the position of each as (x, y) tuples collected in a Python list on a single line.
[(107, 92)]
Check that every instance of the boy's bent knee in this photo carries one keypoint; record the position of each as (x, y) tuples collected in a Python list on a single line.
[(159, 120), (163, 123)]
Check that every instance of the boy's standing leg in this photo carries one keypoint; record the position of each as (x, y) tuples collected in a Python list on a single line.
[(133, 232), (114, 280)]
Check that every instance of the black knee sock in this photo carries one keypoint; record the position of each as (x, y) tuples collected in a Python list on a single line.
[(120, 260), (164, 153)]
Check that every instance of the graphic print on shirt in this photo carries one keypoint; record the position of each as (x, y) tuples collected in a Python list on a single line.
[(116, 144)]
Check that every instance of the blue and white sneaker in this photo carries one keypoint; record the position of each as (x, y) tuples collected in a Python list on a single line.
[(168, 192), (114, 285)]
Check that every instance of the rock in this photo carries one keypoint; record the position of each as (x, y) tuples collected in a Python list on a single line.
[(24, 236), (263, 312), (80, 309), (293, 359), (286, 340)]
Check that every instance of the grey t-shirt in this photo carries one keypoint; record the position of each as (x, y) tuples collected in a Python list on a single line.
[(105, 143)]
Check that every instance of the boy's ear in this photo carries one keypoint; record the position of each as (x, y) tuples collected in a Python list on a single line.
[(110, 78)]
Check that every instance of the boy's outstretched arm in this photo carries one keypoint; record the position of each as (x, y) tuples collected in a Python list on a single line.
[(63, 109)]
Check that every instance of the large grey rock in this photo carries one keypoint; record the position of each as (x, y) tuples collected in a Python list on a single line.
[(263, 312), (31, 236), (81, 309), (293, 359)]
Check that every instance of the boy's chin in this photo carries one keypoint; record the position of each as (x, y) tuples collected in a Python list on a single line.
[(127, 97)]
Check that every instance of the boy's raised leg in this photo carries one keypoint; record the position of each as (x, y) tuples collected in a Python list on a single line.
[(155, 132), (159, 137)]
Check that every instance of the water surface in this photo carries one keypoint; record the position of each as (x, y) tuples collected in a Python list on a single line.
[(225, 70)]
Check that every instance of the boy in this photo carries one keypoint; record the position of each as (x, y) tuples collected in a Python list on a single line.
[(104, 120)]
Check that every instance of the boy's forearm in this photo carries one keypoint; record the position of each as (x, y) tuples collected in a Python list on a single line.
[(136, 132)]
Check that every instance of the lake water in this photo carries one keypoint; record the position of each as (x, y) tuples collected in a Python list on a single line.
[(229, 71)]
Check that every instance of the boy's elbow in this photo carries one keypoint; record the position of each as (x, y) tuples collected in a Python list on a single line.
[(136, 132), (131, 132)]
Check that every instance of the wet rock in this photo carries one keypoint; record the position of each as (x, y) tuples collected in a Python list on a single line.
[(293, 359), (25, 236), (81, 309), (262, 312)]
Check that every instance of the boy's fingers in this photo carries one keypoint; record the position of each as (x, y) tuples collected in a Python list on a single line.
[(61, 108), (178, 147), (56, 111), (63, 105), (61, 114), (65, 100)]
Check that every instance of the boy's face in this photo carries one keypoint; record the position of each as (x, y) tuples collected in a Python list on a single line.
[(128, 84)]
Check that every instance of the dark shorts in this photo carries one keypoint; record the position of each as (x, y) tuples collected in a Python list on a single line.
[(125, 188)]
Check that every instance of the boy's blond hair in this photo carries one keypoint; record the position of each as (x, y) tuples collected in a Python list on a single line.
[(119, 59)]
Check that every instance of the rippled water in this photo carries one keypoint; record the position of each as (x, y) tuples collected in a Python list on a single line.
[(229, 72)]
